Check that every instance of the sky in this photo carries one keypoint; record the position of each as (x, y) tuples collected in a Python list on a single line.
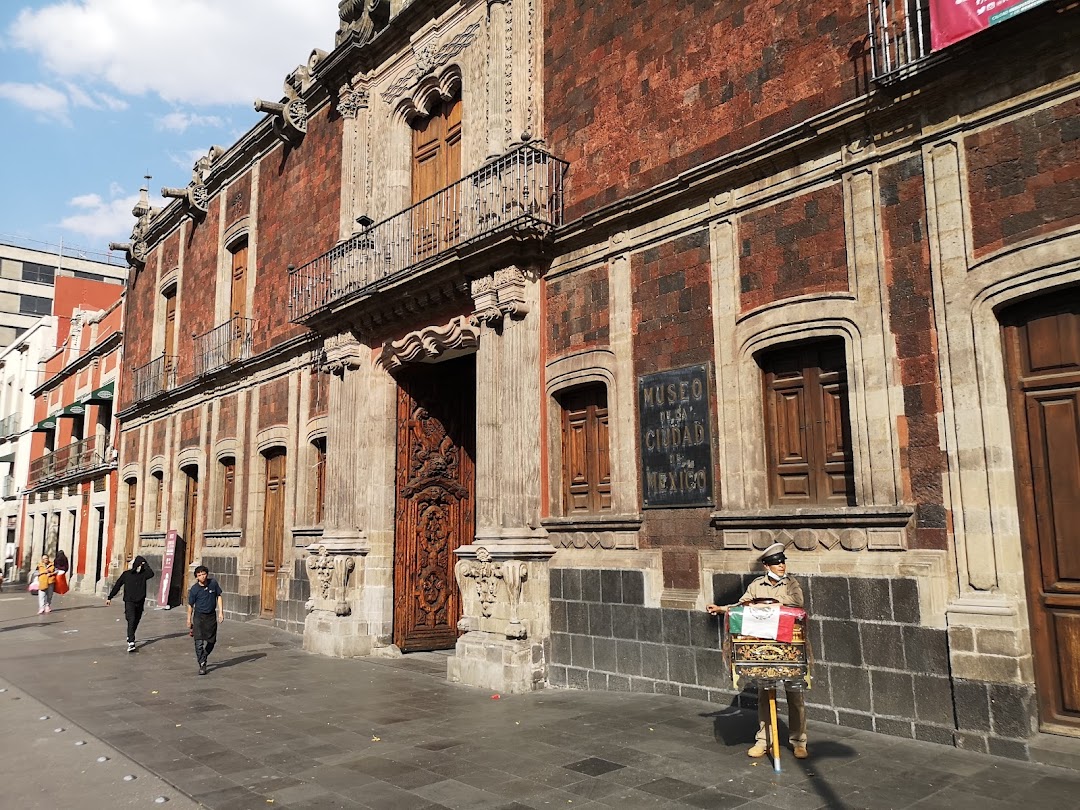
[(95, 94)]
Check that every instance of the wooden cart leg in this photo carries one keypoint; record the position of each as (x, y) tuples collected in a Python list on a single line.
[(774, 736)]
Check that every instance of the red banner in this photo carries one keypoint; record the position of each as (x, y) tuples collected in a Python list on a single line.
[(166, 568), (954, 20)]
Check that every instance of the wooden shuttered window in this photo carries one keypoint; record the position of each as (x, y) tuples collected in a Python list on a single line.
[(238, 292), (436, 164), (320, 478), (586, 458), (170, 328), (228, 490), (808, 431)]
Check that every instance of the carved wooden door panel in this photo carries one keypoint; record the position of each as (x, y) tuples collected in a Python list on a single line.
[(273, 530), (1042, 342), (435, 500)]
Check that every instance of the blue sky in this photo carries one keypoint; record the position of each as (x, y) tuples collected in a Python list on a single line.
[(96, 93)]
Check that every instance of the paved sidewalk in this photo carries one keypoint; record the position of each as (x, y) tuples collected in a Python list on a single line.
[(272, 726)]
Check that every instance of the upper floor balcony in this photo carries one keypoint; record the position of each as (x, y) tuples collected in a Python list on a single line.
[(153, 378), (9, 425), (899, 38), (74, 459), (224, 345), (518, 196)]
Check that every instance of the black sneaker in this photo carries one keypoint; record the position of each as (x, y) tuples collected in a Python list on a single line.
[(202, 669)]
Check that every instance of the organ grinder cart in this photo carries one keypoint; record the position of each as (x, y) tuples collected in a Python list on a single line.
[(766, 645)]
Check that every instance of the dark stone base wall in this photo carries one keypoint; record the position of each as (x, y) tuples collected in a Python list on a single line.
[(875, 667)]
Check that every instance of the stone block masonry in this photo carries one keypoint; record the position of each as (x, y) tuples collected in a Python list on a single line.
[(875, 666)]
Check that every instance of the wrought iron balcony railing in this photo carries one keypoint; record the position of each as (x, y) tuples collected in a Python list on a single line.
[(9, 425), (899, 37), (156, 377), (521, 192), (77, 457), (224, 345)]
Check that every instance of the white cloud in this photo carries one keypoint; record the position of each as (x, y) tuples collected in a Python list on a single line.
[(177, 121), (100, 219), (186, 51), (48, 102), (186, 160)]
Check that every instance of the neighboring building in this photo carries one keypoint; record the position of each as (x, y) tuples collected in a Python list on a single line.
[(800, 279), (21, 366), (69, 496), (28, 276)]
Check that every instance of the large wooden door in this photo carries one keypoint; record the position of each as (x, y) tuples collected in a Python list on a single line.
[(273, 530), (435, 500), (1042, 343), (191, 511)]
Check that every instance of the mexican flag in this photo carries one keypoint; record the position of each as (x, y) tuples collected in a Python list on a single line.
[(775, 622)]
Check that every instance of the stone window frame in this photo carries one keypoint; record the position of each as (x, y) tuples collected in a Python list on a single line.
[(186, 459), (155, 518), (617, 528), (317, 430), (170, 282), (446, 86), (266, 440), (877, 520), (240, 231)]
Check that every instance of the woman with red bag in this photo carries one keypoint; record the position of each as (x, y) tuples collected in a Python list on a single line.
[(46, 582), (60, 562)]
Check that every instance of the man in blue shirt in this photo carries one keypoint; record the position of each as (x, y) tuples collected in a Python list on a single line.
[(205, 610)]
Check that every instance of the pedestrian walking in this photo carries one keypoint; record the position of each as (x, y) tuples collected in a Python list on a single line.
[(46, 582), (62, 566), (205, 610), (133, 581), (775, 586)]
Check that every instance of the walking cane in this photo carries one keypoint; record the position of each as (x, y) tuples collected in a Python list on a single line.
[(774, 737)]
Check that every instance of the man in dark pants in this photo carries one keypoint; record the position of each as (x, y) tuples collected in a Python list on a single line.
[(133, 581), (205, 610)]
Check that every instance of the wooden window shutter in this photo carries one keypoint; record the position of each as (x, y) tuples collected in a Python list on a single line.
[(586, 457), (808, 431), (228, 490), (320, 479), (238, 294)]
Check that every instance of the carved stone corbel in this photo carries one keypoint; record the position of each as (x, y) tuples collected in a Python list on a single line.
[(430, 342), (486, 575), (329, 575), (291, 114), (352, 98), (342, 352), (499, 295), (196, 195), (514, 574)]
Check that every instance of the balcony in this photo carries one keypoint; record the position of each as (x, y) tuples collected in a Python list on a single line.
[(899, 38), (224, 345), (8, 489), (520, 195), (156, 377), (9, 425), (74, 459)]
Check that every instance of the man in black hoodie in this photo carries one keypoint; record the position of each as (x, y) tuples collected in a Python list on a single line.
[(133, 581)]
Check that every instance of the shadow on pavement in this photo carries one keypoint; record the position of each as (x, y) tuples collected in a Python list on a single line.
[(243, 659), (150, 641), (28, 625)]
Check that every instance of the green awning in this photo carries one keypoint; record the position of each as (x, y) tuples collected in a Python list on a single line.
[(48, 423), (100, 395), (74, 409), (8, 459)]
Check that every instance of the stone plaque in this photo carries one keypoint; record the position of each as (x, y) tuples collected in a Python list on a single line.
[(676, 440)]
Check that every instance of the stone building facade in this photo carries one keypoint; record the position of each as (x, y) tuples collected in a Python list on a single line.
[(549, 319)]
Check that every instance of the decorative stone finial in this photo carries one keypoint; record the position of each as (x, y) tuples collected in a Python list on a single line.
[(361, 20)]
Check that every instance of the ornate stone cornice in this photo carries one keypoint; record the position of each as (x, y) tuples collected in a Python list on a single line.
[(352, 98), (429, 343), (361, 19)]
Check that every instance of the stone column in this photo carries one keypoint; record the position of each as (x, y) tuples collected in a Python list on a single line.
[(351, 566), (496, 97), (503, 574)]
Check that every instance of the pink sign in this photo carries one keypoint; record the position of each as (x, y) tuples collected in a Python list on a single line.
[(954, 20), (166, 568)]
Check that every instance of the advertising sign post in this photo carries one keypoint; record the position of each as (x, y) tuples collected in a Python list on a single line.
[(166, 569)]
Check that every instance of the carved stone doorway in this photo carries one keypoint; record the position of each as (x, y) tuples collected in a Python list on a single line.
[(435, 499)]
